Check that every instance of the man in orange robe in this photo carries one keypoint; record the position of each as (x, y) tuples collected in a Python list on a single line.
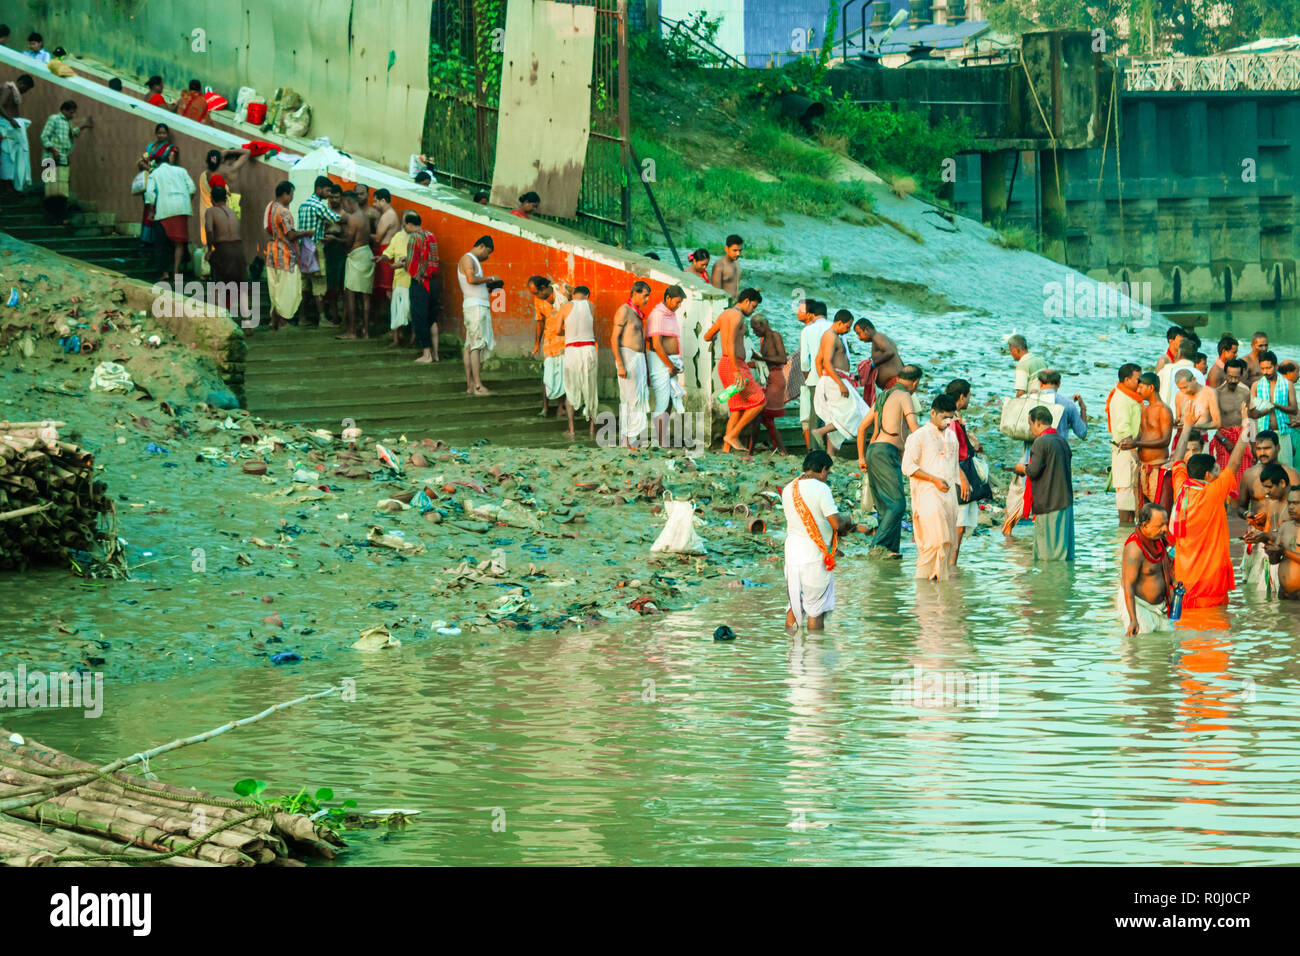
[(1199, 525)]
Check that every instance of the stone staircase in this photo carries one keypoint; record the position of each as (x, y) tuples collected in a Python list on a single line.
[(304, 374), (91, 236)]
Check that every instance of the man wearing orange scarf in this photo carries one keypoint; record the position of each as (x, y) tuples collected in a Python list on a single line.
[(1124, 420), (1198, 526), (813, 526)]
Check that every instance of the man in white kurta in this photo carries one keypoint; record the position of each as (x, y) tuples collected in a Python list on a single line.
[(930, 463), (812, 523)]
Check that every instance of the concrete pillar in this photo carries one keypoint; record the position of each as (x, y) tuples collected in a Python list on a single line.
[(1052, 177), (1145, 140), (993, 186)]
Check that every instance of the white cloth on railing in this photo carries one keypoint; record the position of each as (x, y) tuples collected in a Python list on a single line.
[(15, 157)]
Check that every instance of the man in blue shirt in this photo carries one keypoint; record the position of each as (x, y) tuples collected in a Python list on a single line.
[(1074, 418)]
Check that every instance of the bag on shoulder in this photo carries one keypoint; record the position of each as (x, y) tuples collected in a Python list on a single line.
[(1015, 416), (979, 485)]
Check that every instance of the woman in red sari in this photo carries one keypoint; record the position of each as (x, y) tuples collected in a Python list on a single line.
[(155, 154), (193, 105)]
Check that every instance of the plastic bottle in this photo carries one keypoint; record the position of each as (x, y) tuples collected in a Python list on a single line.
[(1176, 605)]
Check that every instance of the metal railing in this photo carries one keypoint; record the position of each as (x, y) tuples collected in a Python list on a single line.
[(1264, 72)]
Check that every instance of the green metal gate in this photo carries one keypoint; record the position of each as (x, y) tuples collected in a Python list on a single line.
[(460, 125)]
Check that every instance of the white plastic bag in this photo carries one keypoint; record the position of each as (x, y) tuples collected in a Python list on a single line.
[(679, 535), (110, 377), (245, 96), (1015, 416)]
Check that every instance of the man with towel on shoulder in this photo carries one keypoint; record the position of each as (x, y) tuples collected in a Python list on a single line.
[(628, 345), (1147, 576), (813, 526), (837, 403)]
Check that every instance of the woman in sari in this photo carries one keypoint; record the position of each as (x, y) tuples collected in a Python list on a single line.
[(193, 105), (155, 153)]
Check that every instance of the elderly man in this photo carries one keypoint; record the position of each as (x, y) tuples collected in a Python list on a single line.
[(1049, 489), (1196, 406), (1074, 420), (881, 370), (1186, 357), (1147, 576), (1198, 525), (1028, 365), (930, 461), (1275, 403), (1124, 421), (813, 527)]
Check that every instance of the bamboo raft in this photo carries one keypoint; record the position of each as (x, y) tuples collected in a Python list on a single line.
[(49, 500), (56, 810)]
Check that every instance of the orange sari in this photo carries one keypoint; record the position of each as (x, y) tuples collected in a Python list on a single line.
[(193, 106), (1199, 530)]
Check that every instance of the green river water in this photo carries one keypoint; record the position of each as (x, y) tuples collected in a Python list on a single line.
[(1054, 739)]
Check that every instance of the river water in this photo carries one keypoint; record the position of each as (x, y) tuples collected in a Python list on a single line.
[(1000, 717)]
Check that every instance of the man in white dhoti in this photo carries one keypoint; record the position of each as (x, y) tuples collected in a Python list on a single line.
[(663, 358), (580, 358), (836, 399), (628, 345), (930, 458), (813, 526), (1124, 420)]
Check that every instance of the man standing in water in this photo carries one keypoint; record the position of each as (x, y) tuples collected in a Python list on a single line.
[(748, 400), (1198, 525), (1231, 395), (1196, 405), (968, 446), (1227, 352), (839, 406), (726, 272), (1049, 489), (477, 312), (628, 345), (1124, 421), (1147, 577), (890, 421), (881, 370), (1028, 365), (930, 462), (1176, 335), (1258, 346), (1284, 550), (813, 526), (1250, 490), (1275, 403), (1152, 444)]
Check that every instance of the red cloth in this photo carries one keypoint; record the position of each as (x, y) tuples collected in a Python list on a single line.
[(519, 212), (156, 100), (259, 147), (867, 377), (383, 271), (177, 228), (1028, 509), (963, 444), (422, 259), (750, 395), (193, 106), (1221, 453), (216, 179)]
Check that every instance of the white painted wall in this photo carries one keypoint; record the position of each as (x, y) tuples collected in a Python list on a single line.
[(731, 35)]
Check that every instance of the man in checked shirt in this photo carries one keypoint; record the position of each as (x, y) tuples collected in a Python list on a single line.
[(56, 141), (313, 214)]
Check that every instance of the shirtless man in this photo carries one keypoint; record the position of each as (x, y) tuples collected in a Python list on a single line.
[(884, 363), (1196, 405), (1265, 521), (890, 421), (832, 365), (1284, 549), (726, 273), (360, 270), (225, 247), (1152, 444), (628, 346), (372, 213), (385, 228), (771, 351), (1176, 335), (1258, 346), (747, 403), (1147, 575), (1250, 490)]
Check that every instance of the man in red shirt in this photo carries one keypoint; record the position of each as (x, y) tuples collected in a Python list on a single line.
[(422, 266)]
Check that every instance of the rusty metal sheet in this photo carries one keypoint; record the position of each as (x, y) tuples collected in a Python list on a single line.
[(545, 116)]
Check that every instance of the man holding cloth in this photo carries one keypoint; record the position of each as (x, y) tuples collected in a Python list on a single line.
[(813, 526), (1049, 489), (1123, 421)]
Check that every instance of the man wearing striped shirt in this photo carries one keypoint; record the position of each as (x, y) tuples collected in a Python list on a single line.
[(283, 281), (313, 214)]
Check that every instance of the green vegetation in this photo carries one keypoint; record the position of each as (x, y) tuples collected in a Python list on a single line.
[(1017, 237)]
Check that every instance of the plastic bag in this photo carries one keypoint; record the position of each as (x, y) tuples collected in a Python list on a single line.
[(245, 96), (865, 500), (679, 535), (110, 377), (1015, 416)]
